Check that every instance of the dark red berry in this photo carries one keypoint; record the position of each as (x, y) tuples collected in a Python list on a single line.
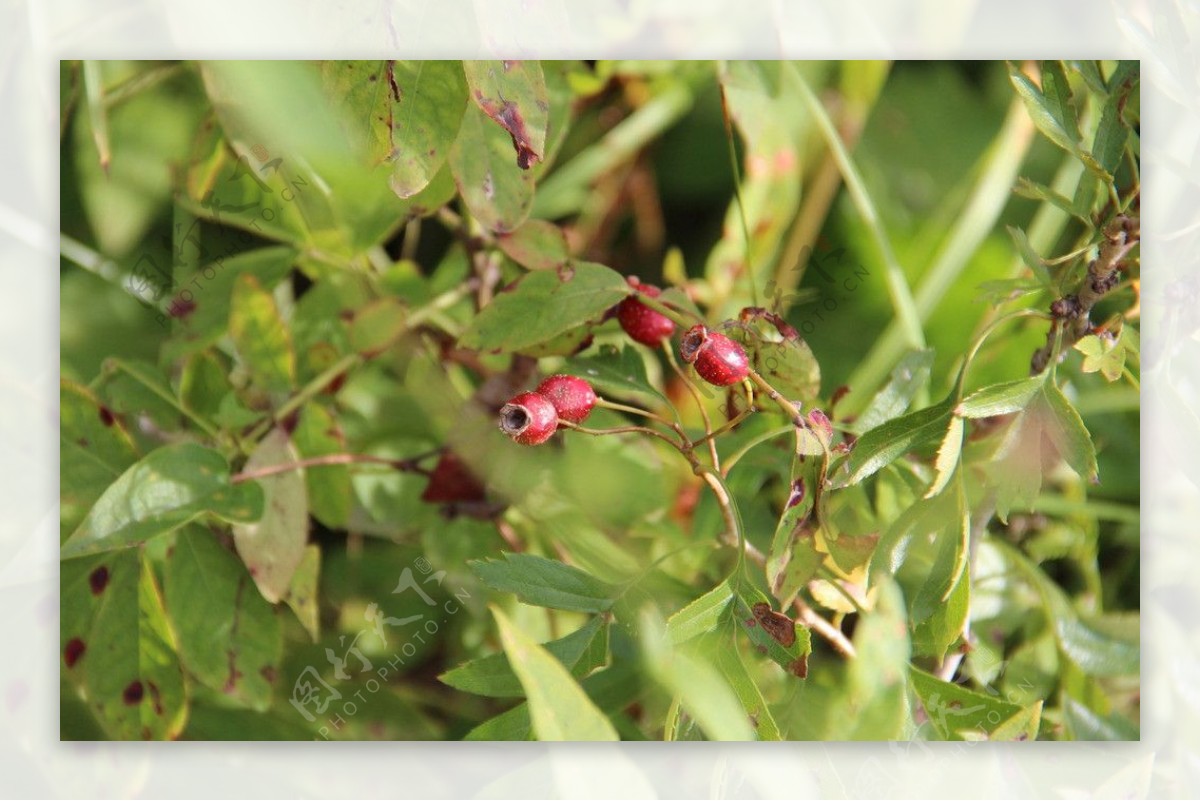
[(452, 482), (717, 358), (529, 418), (573, 398), (642, 323)]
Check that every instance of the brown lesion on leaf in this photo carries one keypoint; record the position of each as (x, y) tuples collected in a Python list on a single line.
[(781, 627), (133, 693), (799, 667), (510, 119), (73, 651), (98, 579)]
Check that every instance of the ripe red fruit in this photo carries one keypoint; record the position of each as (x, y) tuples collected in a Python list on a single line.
[(717, 358), (529, 418), (573, 398), (452, 482), (642, 323)]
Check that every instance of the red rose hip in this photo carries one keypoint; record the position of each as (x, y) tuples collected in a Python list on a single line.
[(717, 358), (573, 398), (529, 418), (642, 323)]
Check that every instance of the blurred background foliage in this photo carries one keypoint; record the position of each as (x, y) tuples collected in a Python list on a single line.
[(261, 265)]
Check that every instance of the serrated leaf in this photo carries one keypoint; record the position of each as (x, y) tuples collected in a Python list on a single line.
[(558, 707), (908, 376), (1028, 255), (167, 489), (1036, 191), (1005, 398), (543, 305), (885, 443), (261, 337), (788, 364), (1057, 91), (934, 636), (117, 646), (425, 117), (513, 94), (1067, 432), (580, 652), (730, 663), (702, 615), (273, 547), (544, 582), (1047, 115), (229, 637)]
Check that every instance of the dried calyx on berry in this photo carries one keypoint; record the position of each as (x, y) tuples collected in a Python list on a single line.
[(642, 323), (717, 358), (529, 418), (573, 398)]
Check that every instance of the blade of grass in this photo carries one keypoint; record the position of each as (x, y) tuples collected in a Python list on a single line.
[(999, 166), (907, 319)]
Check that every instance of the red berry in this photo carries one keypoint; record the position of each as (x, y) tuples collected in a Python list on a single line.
[(529, 418), (573, 398), (452, 482), (717, 358), (642, 323)]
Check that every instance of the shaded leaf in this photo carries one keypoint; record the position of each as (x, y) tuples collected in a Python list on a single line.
[(947, 456), (615, 373), (330, 492), (302, 592), (168, 488), (544, 582), (1011, 396), (885, 443), (94, 450), (377, 325), (792, 656), (908, 376), (702, 615), (580, 652), (542, 305), (229, 637), (273, 547), (536, 245), (497, 192), (957, 713), (558, 706), (730, 663)]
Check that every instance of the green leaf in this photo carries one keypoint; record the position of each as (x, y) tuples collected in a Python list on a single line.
[(1011, 396), (273, 547), (94, 450), (1067, 432), (496, 191), (1028, 255), (957, 713), (793, 656), (260, 336), (543, 582), (934, 636), (611, 689), (687, 672), (542, 305), (615, 373), (302, 592), (580, 652), (872, 703), (702, 615), (1112, 133), (730, 663), (169, 488), (789, 364), (117, 646), (1102, 354), (330, 492), (1021, 726), (885, 443), (229, 637), (1051, 118), (425, 119), (1036, 191), (908, 376), (536, 245), (513, 94), (793, 558), (947, 456), (1086, 724), (558, 706), (1057, 91)]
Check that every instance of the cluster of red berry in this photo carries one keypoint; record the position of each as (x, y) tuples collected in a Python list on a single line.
[(531, 417)]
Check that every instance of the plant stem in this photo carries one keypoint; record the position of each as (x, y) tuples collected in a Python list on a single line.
[(783, 403), (119, 365), (695, 393), (810, 618), (310, 390), (680, 317), (324, 461), (760, 439)]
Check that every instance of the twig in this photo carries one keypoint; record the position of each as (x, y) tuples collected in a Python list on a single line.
[(408, 465), (826, 629)]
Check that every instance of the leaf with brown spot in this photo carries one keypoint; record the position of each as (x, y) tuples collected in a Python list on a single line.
[(92, 455), (513, 94)]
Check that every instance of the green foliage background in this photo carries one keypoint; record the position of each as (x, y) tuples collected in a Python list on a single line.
[(267, 262)]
